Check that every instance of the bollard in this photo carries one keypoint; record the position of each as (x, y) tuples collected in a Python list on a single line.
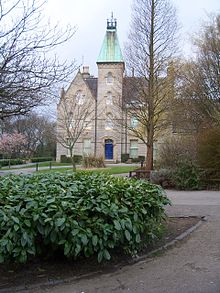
[(37, 165), (50, 165)]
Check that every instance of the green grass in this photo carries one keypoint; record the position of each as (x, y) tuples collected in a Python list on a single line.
[(109, 170), (42, 164)]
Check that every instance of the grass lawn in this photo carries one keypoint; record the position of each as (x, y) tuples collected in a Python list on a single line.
[(42, 164), (108, 170)]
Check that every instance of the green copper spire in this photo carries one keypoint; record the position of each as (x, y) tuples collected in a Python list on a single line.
[(110, 51)]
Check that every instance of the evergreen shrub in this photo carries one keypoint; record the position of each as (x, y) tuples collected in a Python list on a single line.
[(65, 159), (41, 159), (124, 158), (7, 162), (186, 176), (78, 214)]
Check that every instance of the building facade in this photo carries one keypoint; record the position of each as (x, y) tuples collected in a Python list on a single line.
[(89, 113)]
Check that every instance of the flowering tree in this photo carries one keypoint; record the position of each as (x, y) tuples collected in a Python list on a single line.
[(11, 144)]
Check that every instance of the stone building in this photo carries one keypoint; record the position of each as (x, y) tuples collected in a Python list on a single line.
[(95, 122)]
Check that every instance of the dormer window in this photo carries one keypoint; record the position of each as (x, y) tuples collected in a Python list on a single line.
[(80, 98), (109, 98), (109, 78)]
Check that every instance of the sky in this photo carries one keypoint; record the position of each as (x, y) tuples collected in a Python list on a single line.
[(89, 17)]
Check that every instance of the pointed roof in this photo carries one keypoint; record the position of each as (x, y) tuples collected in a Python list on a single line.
[(110, 51)]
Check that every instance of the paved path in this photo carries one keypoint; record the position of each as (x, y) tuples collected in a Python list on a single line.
[(193, 266), (31, 168)]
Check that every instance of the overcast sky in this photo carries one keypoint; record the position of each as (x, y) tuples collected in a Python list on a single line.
[(89, 16)]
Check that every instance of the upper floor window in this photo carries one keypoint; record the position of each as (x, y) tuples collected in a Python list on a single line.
[(80, 98), (109, 78), (109, 122), (71, 124), (109, 98), (134, 122), (88, 125)]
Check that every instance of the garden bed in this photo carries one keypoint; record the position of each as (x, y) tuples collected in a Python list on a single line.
[(55, 270)]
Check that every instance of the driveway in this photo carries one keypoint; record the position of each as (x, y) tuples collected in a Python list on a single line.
[(192, 266)]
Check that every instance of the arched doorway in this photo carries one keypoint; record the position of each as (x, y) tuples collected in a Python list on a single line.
[(109, 149)]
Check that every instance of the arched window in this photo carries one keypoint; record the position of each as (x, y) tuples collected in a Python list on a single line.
[(80, 98), (109, 122), (109, 78), (109, 98), (134, 122)]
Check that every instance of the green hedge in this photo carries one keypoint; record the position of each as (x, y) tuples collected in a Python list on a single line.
[(80, 214), (124, 158), (7, 162), (138, 159), (41, 159), (65, 159)]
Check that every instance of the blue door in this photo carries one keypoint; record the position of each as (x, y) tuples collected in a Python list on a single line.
[(108, 149)]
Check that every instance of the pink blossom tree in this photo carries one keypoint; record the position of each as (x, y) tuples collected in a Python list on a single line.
[(11, 144)]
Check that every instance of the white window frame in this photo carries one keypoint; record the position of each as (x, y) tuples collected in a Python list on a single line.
[(133, 149), (87, 149)]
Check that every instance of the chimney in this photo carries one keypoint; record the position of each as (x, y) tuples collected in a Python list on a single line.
[(62, 93), (85, 72)]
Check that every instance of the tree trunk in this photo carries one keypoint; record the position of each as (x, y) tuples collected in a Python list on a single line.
[(149, 159), (72, 160)]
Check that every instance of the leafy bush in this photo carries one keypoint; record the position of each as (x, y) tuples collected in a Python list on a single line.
[(79, 214), (41, 159), (209, 148), (186, 176), (162, 177), (138, 159), (65, 159), (78, 159), (91, 161), (7, 162), (124, 158)]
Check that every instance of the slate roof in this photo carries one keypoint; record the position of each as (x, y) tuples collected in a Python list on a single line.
[(92, 83)]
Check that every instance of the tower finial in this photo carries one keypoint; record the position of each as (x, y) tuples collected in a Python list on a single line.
[(111, 23)]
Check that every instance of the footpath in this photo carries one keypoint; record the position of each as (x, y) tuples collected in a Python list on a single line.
[(192, 266)]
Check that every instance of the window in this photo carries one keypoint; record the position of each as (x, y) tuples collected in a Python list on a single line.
[(87, 146), (109, 78), (80, 98), (134, 122), (133, 148), (88, 125), (108, 122), (71, 124), (109, 98)]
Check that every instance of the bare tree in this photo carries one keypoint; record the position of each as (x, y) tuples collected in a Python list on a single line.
[(200, 75), (39, 132), (75, 116), (150, 51), (29, 75)]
